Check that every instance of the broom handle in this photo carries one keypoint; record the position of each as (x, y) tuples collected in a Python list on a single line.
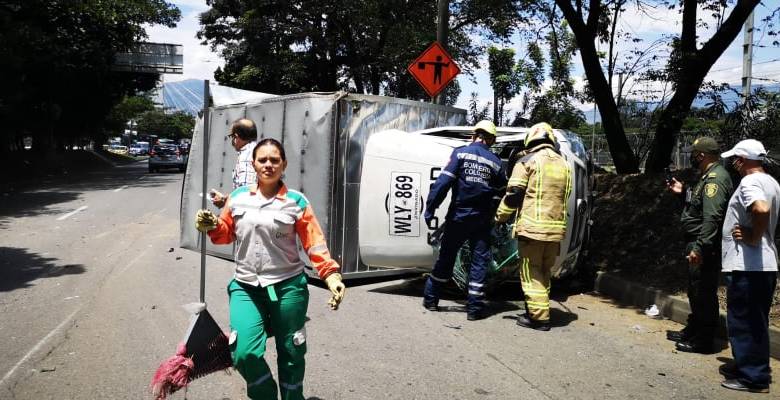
[(206, 97)]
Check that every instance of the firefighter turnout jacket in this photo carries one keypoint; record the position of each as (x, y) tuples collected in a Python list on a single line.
[(476, 178), (705, 207), (539, 187)]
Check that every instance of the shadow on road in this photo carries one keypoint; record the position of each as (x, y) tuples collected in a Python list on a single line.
[(19, 268), (28, 204)]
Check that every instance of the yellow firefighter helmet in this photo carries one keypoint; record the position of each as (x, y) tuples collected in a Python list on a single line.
[(485, 126), (539, 133)]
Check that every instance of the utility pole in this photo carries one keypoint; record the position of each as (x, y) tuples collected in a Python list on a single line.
[(747, 58), (442, 30)]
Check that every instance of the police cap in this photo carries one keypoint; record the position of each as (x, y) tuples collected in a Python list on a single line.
[(706, 145)]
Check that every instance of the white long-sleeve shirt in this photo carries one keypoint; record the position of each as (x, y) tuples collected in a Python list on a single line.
[(244, 173)]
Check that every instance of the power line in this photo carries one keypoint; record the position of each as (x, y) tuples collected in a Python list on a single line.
[(766, 79)]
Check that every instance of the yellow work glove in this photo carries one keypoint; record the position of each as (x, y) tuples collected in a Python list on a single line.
[(336, 287), (205, 221)]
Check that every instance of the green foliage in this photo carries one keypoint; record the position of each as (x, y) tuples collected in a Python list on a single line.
[(555, 106), (557, 111), (757, 118), (503, 79), (475, 113), (295, 46), (57, 58), (130, 108), (173, 126)]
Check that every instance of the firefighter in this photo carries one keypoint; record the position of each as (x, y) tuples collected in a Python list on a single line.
[(702, 220), (476, 177), (539, 188)]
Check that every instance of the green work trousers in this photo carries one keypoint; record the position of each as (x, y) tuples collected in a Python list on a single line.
[(536, 260), (281, 309)]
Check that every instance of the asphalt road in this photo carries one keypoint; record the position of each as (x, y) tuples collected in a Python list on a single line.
[(92, 282)]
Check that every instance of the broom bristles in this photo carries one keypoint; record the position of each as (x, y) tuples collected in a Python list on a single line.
[(205, 349), (173, 374)]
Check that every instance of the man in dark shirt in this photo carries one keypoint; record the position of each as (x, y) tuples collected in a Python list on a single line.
[(702, 220)]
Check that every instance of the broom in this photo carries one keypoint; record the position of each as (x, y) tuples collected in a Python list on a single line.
[(205, 348)]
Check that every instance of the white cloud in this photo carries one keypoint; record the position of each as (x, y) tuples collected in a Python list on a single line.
[(199, 61)]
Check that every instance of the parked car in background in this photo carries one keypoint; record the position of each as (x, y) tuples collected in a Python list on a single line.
[(184, 148), (136, 150), (117, 149), (166, 156)]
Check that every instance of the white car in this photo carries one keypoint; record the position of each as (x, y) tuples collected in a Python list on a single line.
[(398, 170)]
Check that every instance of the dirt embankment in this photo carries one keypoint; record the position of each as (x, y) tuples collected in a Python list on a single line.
[(636, 233)]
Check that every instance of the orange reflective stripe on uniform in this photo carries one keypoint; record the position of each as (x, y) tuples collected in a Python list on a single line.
[(313, 241), (225, 232)]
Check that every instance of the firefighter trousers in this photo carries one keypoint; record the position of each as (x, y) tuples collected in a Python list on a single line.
[(536, 261), (456, 233), (282, 308)]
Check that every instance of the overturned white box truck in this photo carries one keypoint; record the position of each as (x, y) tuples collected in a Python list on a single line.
[(346, 153)]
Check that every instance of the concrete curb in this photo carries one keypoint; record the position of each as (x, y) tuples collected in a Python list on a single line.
[(673, 307)]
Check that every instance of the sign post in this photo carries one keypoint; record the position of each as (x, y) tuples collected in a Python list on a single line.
[(434, 69)]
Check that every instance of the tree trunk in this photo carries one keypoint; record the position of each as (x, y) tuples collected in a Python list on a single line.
[(695, 65), (495, 108), (622, 156), (671, 120), (585, 33)]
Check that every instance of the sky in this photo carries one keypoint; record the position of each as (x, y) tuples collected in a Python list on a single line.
[(200, 61)]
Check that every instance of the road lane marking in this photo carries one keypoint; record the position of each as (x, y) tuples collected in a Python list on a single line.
[(116, 190), (82, 208), (133, 261), (38, 346)]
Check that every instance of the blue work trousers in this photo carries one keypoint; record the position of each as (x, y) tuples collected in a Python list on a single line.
[(749, 297), (456, 233)]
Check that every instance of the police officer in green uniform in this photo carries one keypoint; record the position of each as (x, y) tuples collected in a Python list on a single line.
[(702, 220)]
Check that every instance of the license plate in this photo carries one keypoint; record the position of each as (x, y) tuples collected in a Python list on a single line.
[(405, 204)]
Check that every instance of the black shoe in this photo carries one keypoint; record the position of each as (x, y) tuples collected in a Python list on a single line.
[(526, 322), (683, 335), (735, 384), (430, 306), (695, 346), (476, 316), (729, 371)]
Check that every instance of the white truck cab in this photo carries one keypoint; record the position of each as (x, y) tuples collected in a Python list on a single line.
[(398, 171)]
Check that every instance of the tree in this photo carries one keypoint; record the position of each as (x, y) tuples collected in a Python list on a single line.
[(587, 29), (688, 66), (555, 105), (503, 79), (690, 62), (173, 126), (360, 46), (57, 60), (130, 108), (475, 113)]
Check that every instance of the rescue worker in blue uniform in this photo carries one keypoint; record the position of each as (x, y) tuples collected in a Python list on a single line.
[(476, 178)]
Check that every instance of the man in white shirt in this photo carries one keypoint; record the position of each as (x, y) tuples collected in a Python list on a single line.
[(243, 137), (750, 264)]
